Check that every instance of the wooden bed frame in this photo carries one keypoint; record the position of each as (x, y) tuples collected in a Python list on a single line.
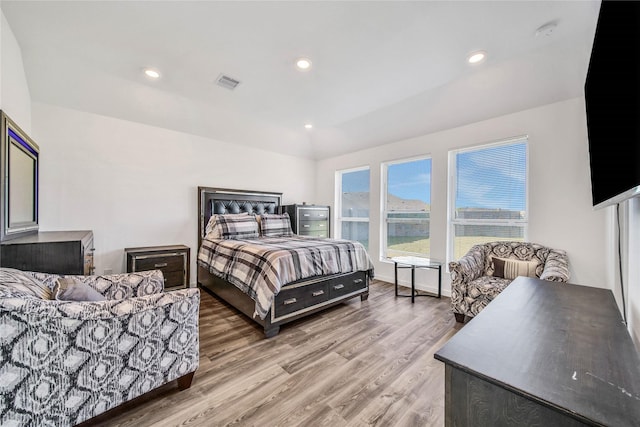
[(295, 300)]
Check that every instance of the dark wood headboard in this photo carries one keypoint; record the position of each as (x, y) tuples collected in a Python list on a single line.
[(224, 200)]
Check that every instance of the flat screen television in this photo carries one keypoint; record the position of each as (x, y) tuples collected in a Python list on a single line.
[(612, 97)]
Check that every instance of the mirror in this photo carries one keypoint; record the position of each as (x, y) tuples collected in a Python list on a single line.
[(19, 189)]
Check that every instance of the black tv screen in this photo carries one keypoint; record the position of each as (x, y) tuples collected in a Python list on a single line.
[(612, 97)]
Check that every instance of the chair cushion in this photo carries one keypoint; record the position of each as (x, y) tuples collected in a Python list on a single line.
[(511, 268), (17, 283)]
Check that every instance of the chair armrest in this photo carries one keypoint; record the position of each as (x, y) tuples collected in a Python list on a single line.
[(469, 267), (92, 356), (556, 267)]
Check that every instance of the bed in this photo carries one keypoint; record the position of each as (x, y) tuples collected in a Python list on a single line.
[(295, 298)]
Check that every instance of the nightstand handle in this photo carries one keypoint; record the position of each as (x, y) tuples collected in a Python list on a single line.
[(357, 281), (306, 226), (317, 293), (161, 264), (306, 214), (340, 286), (290, 301)]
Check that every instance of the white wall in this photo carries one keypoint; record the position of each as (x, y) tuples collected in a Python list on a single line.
[(136, 185), (560, 212), (632, 283), (15, 99)]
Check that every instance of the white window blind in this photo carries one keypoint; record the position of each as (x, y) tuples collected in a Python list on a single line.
[(488, 198)]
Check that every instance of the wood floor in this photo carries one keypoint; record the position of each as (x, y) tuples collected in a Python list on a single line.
[(356, 364)]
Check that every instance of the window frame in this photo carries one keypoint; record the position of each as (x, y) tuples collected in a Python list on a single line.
[(451, 194), (384, 223), (338, 218)]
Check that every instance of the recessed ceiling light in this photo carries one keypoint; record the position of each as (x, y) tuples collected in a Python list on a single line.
[(546, 30), (151, 73), (303, 64), (308, 126), (476, 57)]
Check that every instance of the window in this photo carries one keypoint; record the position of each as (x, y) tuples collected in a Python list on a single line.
[(488, 199), (353, 205), (407, 207)]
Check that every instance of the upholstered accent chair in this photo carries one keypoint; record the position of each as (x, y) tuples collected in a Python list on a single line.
[(63, 362), (487, 269)]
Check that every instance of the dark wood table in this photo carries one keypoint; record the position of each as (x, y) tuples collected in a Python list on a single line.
[(543, 353)]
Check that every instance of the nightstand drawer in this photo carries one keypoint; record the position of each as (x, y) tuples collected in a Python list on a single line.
[(319, 233), (165, 262), (313, 225), (307, 214)]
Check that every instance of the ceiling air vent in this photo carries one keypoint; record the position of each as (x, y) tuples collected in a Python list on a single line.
[(226, 81)]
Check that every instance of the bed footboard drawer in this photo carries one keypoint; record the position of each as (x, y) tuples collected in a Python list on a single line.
[(347, 284), (297, 298)]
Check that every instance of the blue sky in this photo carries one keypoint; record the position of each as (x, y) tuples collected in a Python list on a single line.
[(410, 180), (502, 172), (500, 169)]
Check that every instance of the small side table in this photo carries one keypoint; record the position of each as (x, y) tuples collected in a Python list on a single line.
[(413, 262), (172, 260)]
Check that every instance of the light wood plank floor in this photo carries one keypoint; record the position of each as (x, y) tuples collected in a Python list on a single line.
[(356, 364)]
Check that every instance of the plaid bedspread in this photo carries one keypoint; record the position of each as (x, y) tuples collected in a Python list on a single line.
[(261, 267)]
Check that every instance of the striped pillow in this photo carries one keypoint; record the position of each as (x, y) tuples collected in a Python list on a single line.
[(212, 222), (274, 225), (510, 268), (234, 226)]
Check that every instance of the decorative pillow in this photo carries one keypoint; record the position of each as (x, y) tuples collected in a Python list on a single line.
[(71, 289), (234, 226), (23, 284), (213, 218), (511, 268), (275, 225)]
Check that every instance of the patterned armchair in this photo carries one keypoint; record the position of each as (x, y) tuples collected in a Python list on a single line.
[(474, 285), (64, 362)]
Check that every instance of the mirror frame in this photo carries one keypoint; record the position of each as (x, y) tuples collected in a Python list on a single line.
[(9, 130)]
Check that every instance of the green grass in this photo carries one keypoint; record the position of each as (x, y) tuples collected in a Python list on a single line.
[(420, 245)]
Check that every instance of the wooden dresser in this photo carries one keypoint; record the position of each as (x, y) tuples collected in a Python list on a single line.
[(543, 353), (56, 252), (309, 220), (173, 260)]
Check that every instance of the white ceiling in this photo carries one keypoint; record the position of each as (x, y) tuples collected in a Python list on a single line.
[(382, 71)]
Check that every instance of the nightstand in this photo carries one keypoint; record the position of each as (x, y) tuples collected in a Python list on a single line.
[(172, 260)]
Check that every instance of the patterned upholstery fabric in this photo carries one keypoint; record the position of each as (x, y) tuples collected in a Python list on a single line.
[(473, 285), (64, 362), (16, 282)]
